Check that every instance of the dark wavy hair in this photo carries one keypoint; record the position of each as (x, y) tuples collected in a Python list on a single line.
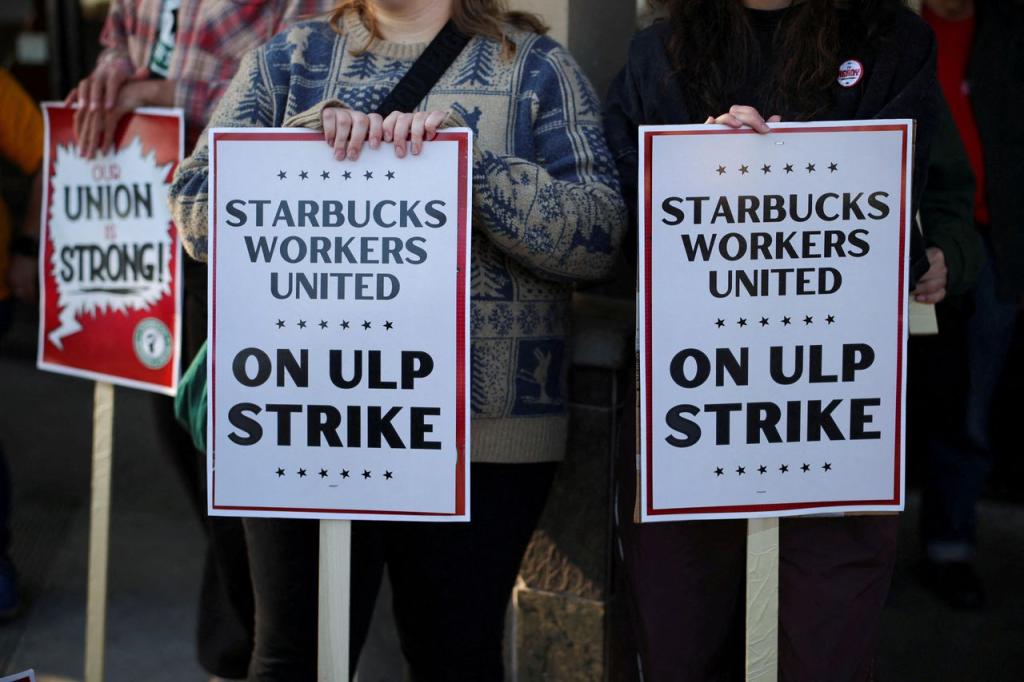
[(713, 50)]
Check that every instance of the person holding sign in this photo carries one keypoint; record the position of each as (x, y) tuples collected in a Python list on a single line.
[(182, 53), (748, 64), (547, 212)]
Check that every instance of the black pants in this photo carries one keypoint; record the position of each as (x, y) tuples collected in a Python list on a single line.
[(451, 582), (687, 582), (224, 631)]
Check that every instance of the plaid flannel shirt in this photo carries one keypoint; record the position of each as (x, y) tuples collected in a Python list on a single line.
[(212, 37)]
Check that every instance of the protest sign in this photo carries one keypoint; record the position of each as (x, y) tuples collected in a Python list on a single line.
[(772, 319), (338, 328), (27, 676), (109, 257)]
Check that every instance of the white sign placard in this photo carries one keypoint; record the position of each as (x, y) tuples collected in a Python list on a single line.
[(772, 319), (27, 676), (338, 332)]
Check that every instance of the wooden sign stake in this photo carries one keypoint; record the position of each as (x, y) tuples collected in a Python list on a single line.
[(762, 600), (99, 530), (335, 600)]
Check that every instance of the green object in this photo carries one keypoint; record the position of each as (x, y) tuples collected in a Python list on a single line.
[(190, 401)]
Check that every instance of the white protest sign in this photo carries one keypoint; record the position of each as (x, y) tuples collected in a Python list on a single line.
[(772, 319), (27, 676), (338, 328)]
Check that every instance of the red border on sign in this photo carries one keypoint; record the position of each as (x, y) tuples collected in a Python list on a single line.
[(462, 139), (648, 291)]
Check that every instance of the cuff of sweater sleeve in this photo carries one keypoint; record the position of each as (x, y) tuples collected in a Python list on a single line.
[(312, 118)]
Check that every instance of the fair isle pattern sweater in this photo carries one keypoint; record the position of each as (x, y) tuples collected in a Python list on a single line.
[(546, 207)]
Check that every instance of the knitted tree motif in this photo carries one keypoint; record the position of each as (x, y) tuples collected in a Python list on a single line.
[(489, 280), (479, 67), (363, 67), (588, 104)]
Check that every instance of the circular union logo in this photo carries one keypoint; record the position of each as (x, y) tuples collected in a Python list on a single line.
[(850, 73), (152, 342)]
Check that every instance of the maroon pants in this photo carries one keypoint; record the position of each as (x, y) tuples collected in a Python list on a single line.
[(686, 582)]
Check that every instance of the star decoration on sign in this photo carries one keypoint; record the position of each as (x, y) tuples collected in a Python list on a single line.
[(808, 319), (325, 175), (721, 170), (302, 324), (831, 319), (744, 170), (323, 473), (347, 175), (368, 175), (827, 466), (281, 175), (810, 168), (805, 468), (764, 322), (766, 169), (344, 473), (389, 324), (302, 473), (366, 474), (742, 322), (390, 175), (280, 324), (345, 324), (280, 472), (762, 469), (388, 475), (720, 323), (741, 470), (833, 167), (719, 471), (366, 324), (784, 468), (323, 324), (786, 322), (304, 175), (788, 168)]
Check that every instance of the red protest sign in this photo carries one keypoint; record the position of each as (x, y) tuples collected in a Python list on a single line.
[(110, 304)]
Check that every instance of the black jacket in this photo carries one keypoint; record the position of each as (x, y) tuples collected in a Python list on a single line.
[(996, 80), (899, 82)]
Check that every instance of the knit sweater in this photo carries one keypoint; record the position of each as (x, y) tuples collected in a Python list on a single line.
[(546, 204)]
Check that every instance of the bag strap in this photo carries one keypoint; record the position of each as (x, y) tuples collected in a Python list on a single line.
[(425, 71)]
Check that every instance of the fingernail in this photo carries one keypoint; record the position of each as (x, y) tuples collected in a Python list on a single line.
[(339, 155), (416, 147)]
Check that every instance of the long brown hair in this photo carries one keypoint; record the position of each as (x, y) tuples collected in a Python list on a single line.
[(714, 49), (486, 18)]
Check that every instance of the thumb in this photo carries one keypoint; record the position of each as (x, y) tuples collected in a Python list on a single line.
[(775, 119)]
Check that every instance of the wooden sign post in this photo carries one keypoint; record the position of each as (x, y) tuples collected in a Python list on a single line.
[(762, 600), (773, 326), (335, 601), (99, 529), (339, 383)]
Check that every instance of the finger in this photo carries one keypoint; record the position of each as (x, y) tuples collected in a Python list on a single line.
[(360, 126), (376, 133), (775, 119), (433, 123), (341, 136), (115, 79), (402, 126), (109, 122), (750, 116), (72, 97), (78, 125), (932, 298), (330, 126), (85, 135), (95, 94), (388, 128), (729, 120), (417, 131), (711, 119), (83, 93)]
